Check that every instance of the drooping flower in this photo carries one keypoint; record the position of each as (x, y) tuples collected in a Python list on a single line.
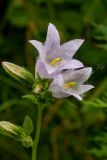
[(53, 57), (71, 83)]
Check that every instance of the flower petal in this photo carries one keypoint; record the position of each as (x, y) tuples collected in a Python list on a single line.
[(78, 76), (73, 64), (50, 70), (58, 80), (79, 89), (83, 88), (41, 69), (56, 87), (39, 46), (52, 38), (52, 43), (68, 49), (76, 96), (57, 91), (52, 52)]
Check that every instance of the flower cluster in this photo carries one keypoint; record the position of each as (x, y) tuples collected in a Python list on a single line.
[(57, 74), (56, 62)]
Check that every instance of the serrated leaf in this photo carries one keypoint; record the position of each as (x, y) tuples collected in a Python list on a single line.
[(27, 125)]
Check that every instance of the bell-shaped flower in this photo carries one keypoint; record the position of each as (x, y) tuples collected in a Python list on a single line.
[(53, 57), (70, 82)]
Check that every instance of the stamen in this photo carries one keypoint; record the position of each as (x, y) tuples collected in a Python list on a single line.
[(69, 84), (55, 61)]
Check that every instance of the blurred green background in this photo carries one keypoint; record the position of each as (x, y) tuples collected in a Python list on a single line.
[(71, 130)]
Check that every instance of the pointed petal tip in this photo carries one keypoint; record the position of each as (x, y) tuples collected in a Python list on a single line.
[(31, 41), (51, 25), (89, 69), (91, 86), (35, 43), (78, 97), (80, 41), (52, 28)]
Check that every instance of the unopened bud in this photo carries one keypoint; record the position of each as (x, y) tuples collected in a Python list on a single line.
[(18, 73), (37, 89), (8, 128)]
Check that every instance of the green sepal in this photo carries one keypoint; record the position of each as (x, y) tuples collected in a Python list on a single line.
[(28, 125), (26, 141), (30, 97)]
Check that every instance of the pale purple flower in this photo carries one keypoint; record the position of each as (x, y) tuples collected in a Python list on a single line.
[(53, 57), (71, 83)]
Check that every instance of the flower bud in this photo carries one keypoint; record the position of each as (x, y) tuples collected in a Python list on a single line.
[(16, 132), (37, 89), (18, 73), (8, 128)]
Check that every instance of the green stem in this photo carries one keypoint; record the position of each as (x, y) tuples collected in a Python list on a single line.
[(37, 134)]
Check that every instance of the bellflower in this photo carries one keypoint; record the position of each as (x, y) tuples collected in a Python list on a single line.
[(71, 83), (53, 57)]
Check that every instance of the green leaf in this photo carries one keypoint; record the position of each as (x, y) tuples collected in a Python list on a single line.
[(27, 125), (30, 97), (102, 46), (100, 31), (98, 103)]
